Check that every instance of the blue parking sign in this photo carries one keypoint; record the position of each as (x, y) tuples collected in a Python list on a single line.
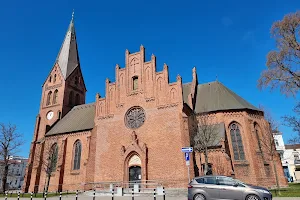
[(187, 156)]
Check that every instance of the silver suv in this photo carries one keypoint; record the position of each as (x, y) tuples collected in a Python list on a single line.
[(223, 187)]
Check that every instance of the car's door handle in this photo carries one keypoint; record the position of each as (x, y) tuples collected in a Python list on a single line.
[(223, 189)]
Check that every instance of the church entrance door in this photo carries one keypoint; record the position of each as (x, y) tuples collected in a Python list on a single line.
[(134, 170), (135, 174)]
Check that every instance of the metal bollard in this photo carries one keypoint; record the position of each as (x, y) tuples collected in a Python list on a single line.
[(154, 194), (60, 196), (76, 195), (10, 194), (18, 195), (94, 196), (132, 192), (112, 194), (5, 195), (45, 195), (31, 195), (164, 194)]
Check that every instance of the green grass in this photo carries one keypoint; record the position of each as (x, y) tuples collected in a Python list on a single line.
[(292, 191), (38, 195)]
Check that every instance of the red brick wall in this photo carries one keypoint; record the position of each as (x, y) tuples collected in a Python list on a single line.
[(161, 134), (64, 174)]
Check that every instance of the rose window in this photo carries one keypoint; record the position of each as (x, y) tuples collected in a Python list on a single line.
[(135, 117)]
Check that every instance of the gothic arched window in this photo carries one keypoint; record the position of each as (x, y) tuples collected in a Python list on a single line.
[(71, 97), (135, 83), (50, 78), (54, 78), (77, 155), (237, 143), (77, 99), (53, 154), (49, 98), (55, 97)]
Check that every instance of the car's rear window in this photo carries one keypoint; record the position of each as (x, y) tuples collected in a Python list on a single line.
[(207, 180)]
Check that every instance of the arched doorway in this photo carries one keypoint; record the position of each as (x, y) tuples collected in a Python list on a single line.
[(134, 169)]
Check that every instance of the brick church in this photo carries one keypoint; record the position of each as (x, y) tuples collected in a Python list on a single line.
[(135, 131)]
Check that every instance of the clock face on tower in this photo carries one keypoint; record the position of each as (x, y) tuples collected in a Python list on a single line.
[(50, 115)]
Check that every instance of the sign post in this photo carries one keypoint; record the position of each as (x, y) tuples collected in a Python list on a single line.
[(187, 151)]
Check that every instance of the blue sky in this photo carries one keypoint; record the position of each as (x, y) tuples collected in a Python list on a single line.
[(227, 39)]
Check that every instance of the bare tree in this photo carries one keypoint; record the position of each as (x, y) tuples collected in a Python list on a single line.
[(294, 123), (10, 142), (205, 136), (283, 65), (268, 143), (47, 159)]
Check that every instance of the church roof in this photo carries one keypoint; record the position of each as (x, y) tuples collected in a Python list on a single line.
[(80, 118), (68, 58), (214, 96)]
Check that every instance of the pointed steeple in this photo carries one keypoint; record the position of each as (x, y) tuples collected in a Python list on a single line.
[(68, 58)]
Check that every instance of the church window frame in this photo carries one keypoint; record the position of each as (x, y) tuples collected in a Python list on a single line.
[(237, 141), (135, 83), (77, 150), (48, 102), (135, 117), (54, 79), (71, 97), (53, 157), (55, 96), (77, 99), (50, 79)]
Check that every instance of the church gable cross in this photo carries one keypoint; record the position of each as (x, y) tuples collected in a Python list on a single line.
[(134, 62)]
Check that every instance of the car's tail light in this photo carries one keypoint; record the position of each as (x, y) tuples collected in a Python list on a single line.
[(189, 186)]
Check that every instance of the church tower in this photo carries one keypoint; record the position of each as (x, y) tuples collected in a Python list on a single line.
[(63, 89)]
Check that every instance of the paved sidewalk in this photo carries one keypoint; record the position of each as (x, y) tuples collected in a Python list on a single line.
[(85, 197)]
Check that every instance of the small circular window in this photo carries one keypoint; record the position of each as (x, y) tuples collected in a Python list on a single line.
[(135, 117)]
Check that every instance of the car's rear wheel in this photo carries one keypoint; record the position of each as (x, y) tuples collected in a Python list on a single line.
[(199, 197), (252, 197)]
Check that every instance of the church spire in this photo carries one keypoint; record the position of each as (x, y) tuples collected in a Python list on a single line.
[(68, 58)]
